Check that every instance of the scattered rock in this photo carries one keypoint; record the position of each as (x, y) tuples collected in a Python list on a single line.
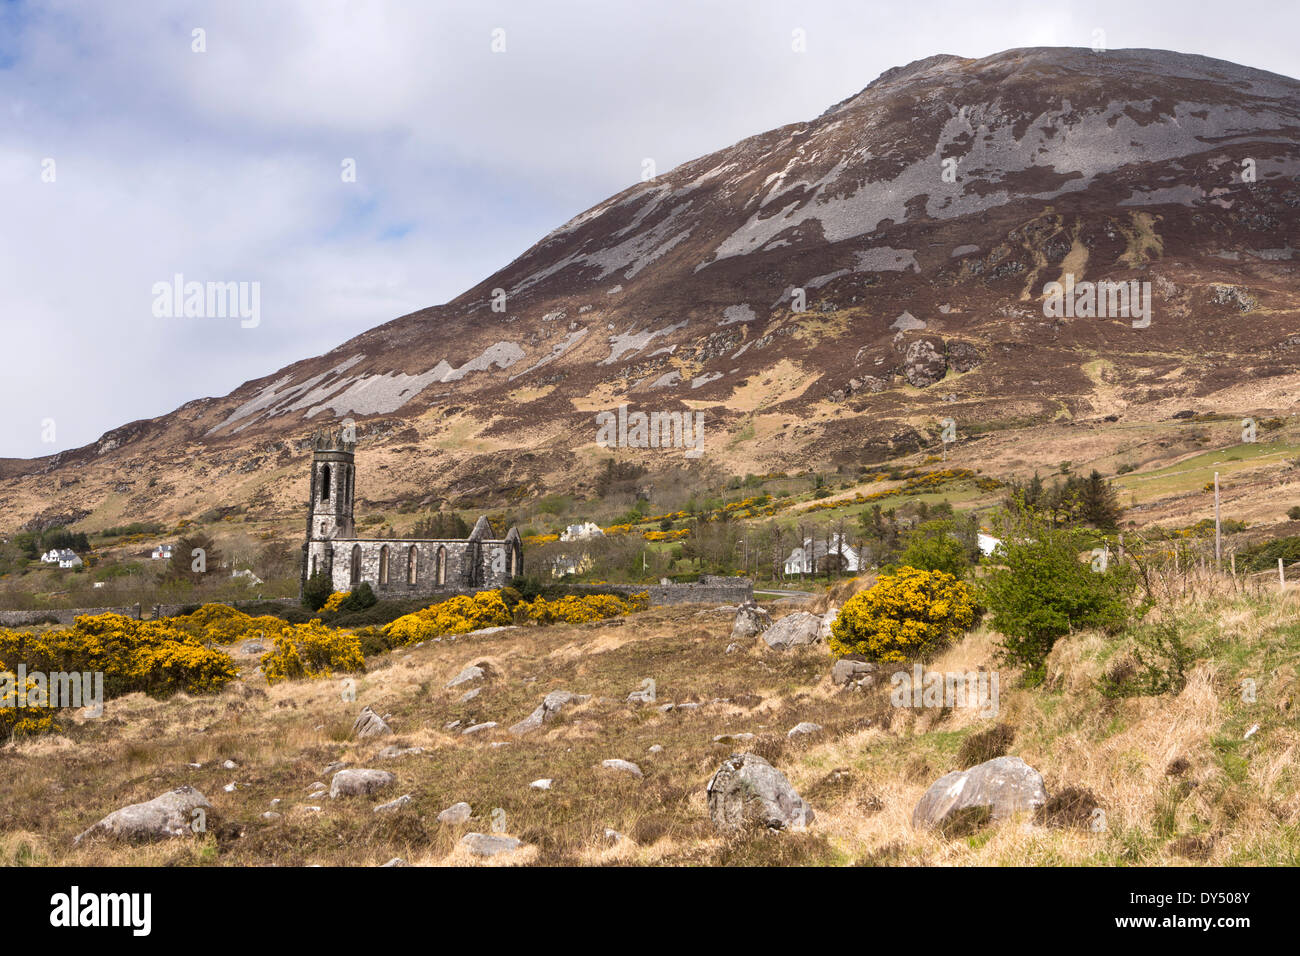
[(455, 814), (991, 791), (271, 815), (747, 791), (395, 861), (656, 748), (472, 672), (335, 767), (732, 648), (230, 765), (397, 804), (624, 766), (392, 752), (369, 724), (803, 729), (359, 782), (486, 725), (850, 671), (793, 630), (489, 844), (543, 784), (547, 709), (165, 817), (470, 695), (750, 620)]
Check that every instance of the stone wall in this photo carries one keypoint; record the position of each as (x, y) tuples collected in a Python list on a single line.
[(469, 564), (62, 615), (710, 590)]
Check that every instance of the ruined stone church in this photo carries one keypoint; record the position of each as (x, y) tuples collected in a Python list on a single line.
[(394, 568)]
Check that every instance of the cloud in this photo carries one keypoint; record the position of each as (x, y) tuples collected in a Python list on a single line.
[(225, 165)]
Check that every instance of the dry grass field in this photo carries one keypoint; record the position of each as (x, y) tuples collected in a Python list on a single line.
[(1180, 778)]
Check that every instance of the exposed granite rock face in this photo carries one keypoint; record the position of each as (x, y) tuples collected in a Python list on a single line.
[(924, 362)]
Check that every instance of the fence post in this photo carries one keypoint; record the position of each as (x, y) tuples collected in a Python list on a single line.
[(1281, 576)]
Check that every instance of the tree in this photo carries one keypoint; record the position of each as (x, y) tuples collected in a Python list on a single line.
[(1099, 502), (317, 591), (936, 546), (193, 557)]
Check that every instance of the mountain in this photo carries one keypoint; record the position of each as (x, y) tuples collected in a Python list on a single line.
[(921, 218)]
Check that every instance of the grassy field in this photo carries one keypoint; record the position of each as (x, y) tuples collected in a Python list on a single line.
[(1180, 777)]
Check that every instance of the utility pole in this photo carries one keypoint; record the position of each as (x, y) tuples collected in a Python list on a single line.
[(1218, 530)]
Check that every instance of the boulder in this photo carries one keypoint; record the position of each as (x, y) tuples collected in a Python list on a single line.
[(848, 671), (803, 729), (824, 632), (397, 804), (924, 362), (359, 782), (794, 630), (966, 799), (162, 818), (455, 814), (750, 620), (747, 791), (547, 709), (470, 673), (623, 766), (369, 724), (489, 844)]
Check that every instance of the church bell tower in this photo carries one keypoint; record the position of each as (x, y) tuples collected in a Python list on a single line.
[(329, 512)]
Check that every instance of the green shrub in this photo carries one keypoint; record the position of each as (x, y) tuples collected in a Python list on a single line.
[(317, 591), (359, 598), (935, 546), (1044, 591)]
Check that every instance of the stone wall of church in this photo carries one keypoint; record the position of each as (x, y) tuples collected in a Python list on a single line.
[(467, 565)]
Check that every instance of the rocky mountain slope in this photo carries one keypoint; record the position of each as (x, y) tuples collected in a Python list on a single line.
[(915, 223)]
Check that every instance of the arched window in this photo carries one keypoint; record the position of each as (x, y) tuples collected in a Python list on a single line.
[(325, 483), (412, 564), (442, 565), (356, 564), (383, 565)]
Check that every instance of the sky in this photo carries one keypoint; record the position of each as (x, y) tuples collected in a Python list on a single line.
[(359, 159)]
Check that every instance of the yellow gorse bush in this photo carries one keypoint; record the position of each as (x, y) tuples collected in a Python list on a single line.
[(313, 651), (335, 599), (153, 657), (904, 615), (457, 615), (579, 610)]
